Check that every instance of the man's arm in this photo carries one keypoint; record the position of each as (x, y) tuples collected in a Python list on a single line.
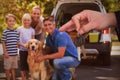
[(59, 54), (117, 14)]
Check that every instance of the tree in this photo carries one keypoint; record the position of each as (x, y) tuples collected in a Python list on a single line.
[(111, 5)]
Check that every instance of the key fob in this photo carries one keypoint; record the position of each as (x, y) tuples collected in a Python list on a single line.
[(79, 40)]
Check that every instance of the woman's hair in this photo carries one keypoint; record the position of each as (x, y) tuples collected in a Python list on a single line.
[(50, 18), (36, 7), (8, 16)]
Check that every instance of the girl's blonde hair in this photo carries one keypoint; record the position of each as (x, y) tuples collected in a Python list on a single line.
[(8, 16), (26, 16)]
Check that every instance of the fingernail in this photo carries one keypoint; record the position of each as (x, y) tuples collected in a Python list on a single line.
[(81, 32)]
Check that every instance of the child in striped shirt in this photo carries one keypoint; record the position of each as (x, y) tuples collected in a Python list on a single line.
[(10, 40)]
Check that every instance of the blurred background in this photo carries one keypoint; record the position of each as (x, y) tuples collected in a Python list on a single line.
[(19, 7)]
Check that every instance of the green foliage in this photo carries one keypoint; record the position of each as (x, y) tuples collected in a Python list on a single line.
[(111, 5), (19, 7), (49, 7)]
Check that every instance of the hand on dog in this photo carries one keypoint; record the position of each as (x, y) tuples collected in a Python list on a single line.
[(39, 58), (25, 45)]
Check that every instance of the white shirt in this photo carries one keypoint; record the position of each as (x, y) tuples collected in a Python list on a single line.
[(25, 35)]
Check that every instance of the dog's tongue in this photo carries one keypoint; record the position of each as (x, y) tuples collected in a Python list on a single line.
[(32, 51)]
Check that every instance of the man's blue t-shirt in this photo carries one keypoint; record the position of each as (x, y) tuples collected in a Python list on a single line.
[(62, 39)]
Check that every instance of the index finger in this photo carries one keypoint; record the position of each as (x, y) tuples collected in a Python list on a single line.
[(68, 26)]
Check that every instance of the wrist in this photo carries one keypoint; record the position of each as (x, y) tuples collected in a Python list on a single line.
[(111, 20), (46, 57), (5, 51)]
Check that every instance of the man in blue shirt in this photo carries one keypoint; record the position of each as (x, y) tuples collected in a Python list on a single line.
[(64, 51)]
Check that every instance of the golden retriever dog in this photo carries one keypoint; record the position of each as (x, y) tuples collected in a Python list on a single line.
[(38, 71), (42, 70)]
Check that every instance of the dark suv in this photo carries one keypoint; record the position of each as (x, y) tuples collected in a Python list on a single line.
[(98, 43)]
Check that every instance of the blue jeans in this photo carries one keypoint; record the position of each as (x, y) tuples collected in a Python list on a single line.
[(62, 66)]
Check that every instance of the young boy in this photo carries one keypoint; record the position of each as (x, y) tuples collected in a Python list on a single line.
[(10, 39), (26, 33)]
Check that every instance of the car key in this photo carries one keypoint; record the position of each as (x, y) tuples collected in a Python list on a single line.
[(79, 41)]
